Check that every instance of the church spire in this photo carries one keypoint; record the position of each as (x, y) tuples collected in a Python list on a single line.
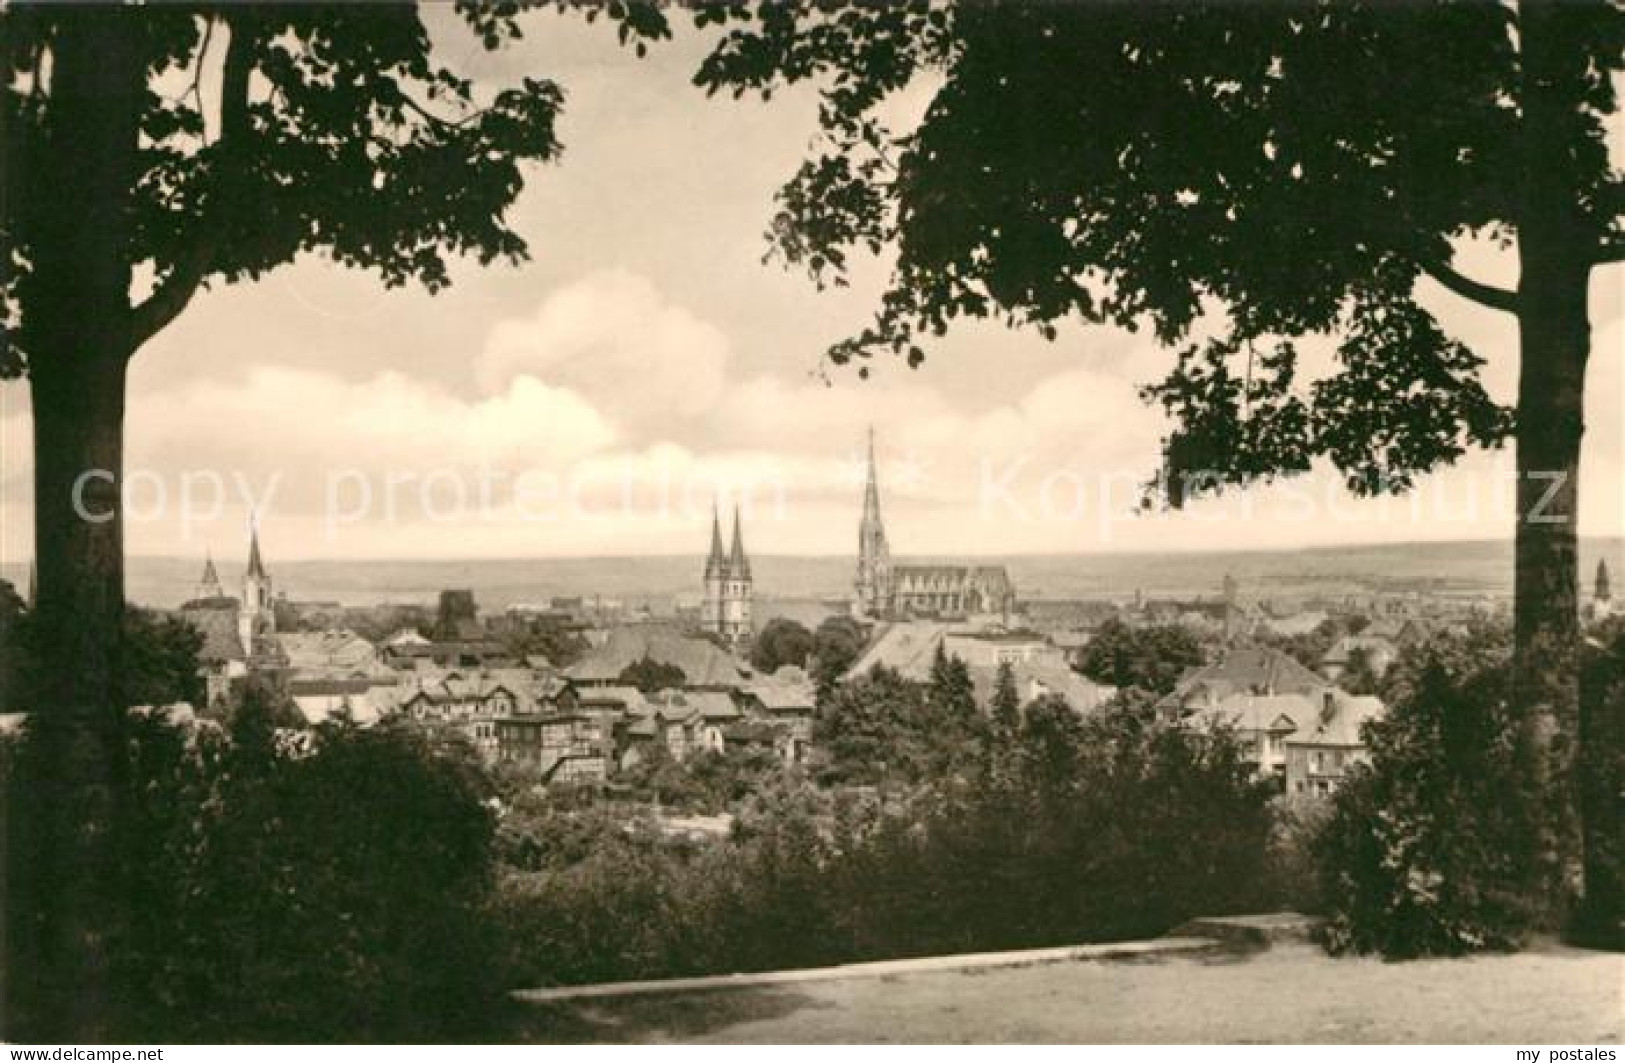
[(738, 564), (1603, 592), (716, 563), (256, 567), (871, 489), (874, 557), (209, 584)]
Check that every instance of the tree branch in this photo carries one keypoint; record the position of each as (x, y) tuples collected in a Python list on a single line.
[(177, 287), (1479, 292)]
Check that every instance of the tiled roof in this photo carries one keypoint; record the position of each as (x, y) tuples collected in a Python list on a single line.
[(323, 687), (1245, 669), (1303, 719), (710, 704), (1343, 649), (627, 698), (218, 627), (1343, 728), (1304, 623), (703, 663), (1274, 713), (784, 695), (1036, 677), (907, 648)]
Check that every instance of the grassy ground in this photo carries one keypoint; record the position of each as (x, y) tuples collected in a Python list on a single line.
[(1289, 993)]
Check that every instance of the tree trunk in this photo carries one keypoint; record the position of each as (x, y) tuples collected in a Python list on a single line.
[(1554, 343), (1556, 245), (63, 898)]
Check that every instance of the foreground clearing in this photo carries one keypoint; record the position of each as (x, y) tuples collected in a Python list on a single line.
[(1291, 992)]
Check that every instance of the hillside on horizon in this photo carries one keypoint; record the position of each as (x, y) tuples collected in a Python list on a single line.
[(1471, 568)]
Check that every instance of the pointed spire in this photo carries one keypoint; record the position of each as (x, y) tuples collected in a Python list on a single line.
[(738, 564), (871, 532), (871, 488), (1603, 592), (209, 584), (716, 563), (256, 567)]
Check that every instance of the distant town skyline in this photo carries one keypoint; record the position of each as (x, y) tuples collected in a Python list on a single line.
[(646, 344)]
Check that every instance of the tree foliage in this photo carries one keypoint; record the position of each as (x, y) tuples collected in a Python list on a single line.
[(836, 645), (884, 729), (783, 641), (158, 662), (1434, 849), (1149, 658), (270, 130), (1283, 170), (651, 676), (276, 893), (1091, 830)]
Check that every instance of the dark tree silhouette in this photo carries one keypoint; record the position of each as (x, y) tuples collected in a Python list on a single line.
[(836, 645), (651, 676), (1149, 658), (781, 642), (1299, 167), (298, 128)]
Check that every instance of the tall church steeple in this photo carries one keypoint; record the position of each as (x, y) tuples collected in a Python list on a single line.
[(727, 585), (716, 563), (256, 567), (209, 584), (874, 556), (255, 615), (1602, 592), (738, 563)]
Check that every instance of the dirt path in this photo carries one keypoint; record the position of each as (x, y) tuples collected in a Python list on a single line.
[(1290, 993)]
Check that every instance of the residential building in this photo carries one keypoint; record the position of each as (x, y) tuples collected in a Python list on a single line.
[(910, 647), (1379, 652), (1322, 753), (1296, 727), (564, 746), (704, 664)]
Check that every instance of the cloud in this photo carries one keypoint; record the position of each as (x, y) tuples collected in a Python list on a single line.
[(610, 417), (613, 336)]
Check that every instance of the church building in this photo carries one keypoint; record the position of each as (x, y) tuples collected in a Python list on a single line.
[(236, 631), (884, 591), (1602, 594), (726, 611)]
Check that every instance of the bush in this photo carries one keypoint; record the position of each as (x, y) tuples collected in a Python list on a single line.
[(266, 889), (1433, 849), (1070, 830)]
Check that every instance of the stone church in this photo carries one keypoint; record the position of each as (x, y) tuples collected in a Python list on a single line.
[(726, 610), (237, 631), (884, 591)]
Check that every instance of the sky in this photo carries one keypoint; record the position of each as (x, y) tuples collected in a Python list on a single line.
[(646, 364)]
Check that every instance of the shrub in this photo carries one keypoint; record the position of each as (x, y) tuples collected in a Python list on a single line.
[(1071, 830), (1433, 848), (327, 889)]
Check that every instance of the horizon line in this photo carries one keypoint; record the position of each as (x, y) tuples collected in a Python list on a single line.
[(1052, 554)]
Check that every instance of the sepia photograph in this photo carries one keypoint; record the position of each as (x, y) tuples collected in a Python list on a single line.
[(982, 522)]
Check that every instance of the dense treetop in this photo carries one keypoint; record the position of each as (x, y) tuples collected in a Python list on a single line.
[(1271, 170)]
